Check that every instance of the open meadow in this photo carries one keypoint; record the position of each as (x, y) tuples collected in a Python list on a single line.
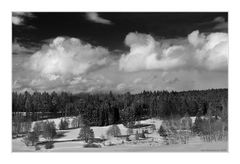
[(68, 141)]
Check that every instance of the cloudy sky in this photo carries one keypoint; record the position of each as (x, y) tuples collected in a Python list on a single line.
[(99, 52)]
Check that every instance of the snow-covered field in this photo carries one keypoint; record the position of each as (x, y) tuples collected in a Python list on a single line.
[(153, 143), (98, 131), (195, 145), (144, 147)]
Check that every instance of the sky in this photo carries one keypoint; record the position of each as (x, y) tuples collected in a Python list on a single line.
[(119, 52)]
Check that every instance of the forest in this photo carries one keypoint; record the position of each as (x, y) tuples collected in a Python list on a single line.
[(103, 109)]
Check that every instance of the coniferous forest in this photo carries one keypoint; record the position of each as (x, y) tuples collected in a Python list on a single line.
[(103, 109)]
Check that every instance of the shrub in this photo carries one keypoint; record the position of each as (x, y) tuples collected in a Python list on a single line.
[(38, 127), (113, 131), (210, 129), (172, 133), (196, 128), (127, 139), (91, 145), (32, 138), (37, 147), (49, 130), (162, 131), (186, 123), (183, 137), (49, 145), (174, 125), (63, 125), (86, 134)]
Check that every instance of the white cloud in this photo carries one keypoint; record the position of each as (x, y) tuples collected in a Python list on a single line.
[(222, 24), (91, 89), (23, 14), (66, 57), (17, 20), (68, 64), (121, 86), (94, 17), (195, 38), (19, 49), (201, 52), (219, 19), (147, 53), (78, 80), (18, 17), (16, 84), (142, 46), (213, 52)]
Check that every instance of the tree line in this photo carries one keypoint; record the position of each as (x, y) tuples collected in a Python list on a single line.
[(102, 109)]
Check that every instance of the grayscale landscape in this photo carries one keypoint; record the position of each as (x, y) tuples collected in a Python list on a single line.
[(119, 82)]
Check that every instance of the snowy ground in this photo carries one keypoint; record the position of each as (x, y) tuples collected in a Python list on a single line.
[(153, 143), (144, 147), (195, 145)]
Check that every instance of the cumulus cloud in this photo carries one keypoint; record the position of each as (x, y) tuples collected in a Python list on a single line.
[(66, 57), (16, 84), (147, 53), (19, 49), (195, 38), (94, 17), (222, 24), (68, 64), (23, 14), (219, 19), (201, 51), (121, 86), (212, 52), (18, 18)]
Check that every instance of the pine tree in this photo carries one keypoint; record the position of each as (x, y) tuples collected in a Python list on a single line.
[(49, 130), (113, 131), (86, 134), (162, 132)]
